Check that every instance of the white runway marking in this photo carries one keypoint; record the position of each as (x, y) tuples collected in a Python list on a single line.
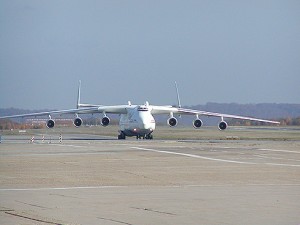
[(273, 150), (72, 146), (111, 187), (262, 149), (53, 154), (191, 155), (212, 159), (276, 158), (59, 188)]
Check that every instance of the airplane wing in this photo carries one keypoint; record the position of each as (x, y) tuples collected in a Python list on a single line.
[(174, 110), (221, 115), (55, 112), (118, 109)]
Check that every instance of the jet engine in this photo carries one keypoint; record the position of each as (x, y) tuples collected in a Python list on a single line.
[(50, 123), (172, 121), (77, 122), (197, 123), (222, 125), (105, 121)]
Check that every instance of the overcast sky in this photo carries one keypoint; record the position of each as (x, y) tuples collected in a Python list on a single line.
[(218, 51)]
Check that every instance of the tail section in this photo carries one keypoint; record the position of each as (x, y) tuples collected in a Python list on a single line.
[(78, 95), (178, 98), (80, 105)]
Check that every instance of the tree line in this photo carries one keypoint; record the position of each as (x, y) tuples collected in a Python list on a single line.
[(283, 122)]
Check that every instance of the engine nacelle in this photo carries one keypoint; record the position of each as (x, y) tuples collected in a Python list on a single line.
[(197, 123), (50, 123), (172, 122), (77, 122), (105, 121), (222, 125)]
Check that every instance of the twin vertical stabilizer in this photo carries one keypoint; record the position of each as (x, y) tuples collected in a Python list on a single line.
[(78, 95), (80, 105), (178, 98)]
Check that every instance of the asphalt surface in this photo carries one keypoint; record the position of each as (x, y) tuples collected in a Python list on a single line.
[(100, 180)]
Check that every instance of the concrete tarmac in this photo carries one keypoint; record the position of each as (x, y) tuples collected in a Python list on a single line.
[(149, 182)]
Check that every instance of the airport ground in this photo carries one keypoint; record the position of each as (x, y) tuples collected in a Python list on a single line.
[(244, 175)]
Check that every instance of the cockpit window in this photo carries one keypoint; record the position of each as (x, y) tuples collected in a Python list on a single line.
[(143, 108)]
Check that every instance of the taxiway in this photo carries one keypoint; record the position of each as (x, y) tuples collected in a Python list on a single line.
[(100, 181)]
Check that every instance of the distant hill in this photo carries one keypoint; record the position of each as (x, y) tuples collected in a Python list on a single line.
[(263, 110), (15, 111)]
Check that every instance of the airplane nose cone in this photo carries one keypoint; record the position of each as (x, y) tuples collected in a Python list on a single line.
[(144, 126), (146, 122), (147, 126)]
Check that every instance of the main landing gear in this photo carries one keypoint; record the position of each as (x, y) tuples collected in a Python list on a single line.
[(148, 136), (121, 136)]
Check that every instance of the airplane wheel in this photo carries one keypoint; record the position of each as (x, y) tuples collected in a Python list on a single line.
[(149, 136), (121, 136)]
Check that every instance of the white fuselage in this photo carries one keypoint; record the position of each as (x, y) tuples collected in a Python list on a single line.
[(137, 122)]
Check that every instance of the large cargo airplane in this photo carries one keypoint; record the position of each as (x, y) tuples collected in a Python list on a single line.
[(136, 120)]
